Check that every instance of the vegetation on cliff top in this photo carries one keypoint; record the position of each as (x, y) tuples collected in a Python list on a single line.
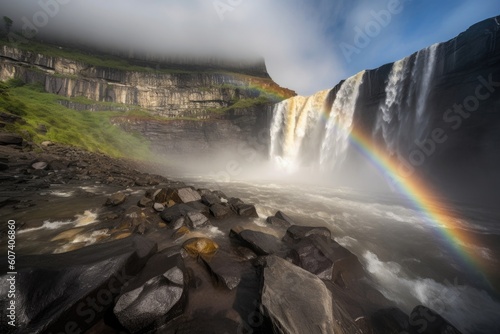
[(92, 131)]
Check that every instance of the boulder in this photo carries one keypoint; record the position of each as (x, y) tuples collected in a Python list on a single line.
[(426, 321), (200, 246), (259, 242), (221, 195), (220, 211), (175, 212), (246, 210), (390, 320), (295, 300), (145, 202), (157, 294), (281, 215), (196, 220), (277, 222), (309, 257), (225, 269), (296, 233), (210, 199), (76, 287), (10, 139), (198, 205), (57, 165), (177, 195), (41, 165), (116, 199)]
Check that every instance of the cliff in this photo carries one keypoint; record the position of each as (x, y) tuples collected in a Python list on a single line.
[(169, 89), (436, 112)]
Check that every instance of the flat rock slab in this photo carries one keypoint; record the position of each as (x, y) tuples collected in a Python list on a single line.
[(148, 306), (67, 285), (259, 242), (246, 210), (175, 212), (296, 233), (426, 321), (295, 300), (220, 211), (224, 268)]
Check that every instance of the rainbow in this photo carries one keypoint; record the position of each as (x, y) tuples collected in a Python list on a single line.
[(420, 195)]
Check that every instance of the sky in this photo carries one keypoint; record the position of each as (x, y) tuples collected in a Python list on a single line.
[(308, 45)]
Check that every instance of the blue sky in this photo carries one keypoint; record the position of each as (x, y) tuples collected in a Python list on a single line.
[(301, 40)]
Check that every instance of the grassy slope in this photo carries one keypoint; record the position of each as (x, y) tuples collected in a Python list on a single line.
[(89, 130)]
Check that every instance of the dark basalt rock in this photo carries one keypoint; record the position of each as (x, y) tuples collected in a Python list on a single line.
[(175, 212), (198, 205), (277, 222), (145, 202), (210, 199), (116, 199), (152, 304), (220, 211), (259, 242), (295, 300), (309, 257), (224, 268), (75, 289), (426, 321), (391, 320), (296, 233), (196, 220), (10, 139), (246, 210), (281, 215)]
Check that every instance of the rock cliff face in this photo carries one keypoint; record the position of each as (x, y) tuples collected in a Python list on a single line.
[(172, 91), (436, 112)]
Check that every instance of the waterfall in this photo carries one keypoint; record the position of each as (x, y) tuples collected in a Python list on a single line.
[(301, 137), (339, 125), (297, 120), (402, 118)]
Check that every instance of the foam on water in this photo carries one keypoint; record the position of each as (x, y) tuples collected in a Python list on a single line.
[(469, 309)]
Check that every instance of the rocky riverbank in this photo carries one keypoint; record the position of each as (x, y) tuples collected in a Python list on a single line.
[(105, 248)]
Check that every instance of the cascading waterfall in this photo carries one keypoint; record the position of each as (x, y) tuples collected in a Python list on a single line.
[(339, 125), (300, 136), (402, 118), (297, 118)]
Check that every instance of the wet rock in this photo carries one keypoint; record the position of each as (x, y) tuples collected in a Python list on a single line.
[(159, 207), (210, 199), (200, 246), (145, 202), (41, 165), (309, 257), (197, 220), (221, 195), (277, 222), (296, 233), (57, 165), (155, 296), (198, 205), (3, 167), (390, 320), (290, 295), (259, 242), (178, 195), (10, 139), (224, 268), (203, 192), (426, 321), (247, 210), (68, 284), (133, 217), (116, 199), (281, 215), (175, 212), (220, 211)]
